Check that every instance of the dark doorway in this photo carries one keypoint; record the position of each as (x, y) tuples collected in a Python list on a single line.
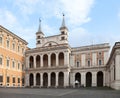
[(31, 80), (100, 79), (88, 79), (61, 79), (45, 80), (53, 79), (37, 79)]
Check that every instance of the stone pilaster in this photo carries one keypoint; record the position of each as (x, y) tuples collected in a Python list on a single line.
[(56, 79), (49, 60), (94, 78), (41, 79), (34, 79), (56, 59), (41, 60), (49, 82), (83, 79), (66, 79), (34, 61)]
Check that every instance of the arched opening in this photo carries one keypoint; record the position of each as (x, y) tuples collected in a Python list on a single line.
[(100, 79), (37, 61), (45, 80), (37, 79), (61, 59), (31, 62), (53, 79), (45, 60), (88, 79), (53, 59), (61, 79), (78, 79), (31, 79)]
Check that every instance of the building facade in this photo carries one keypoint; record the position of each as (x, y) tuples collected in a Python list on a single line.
[(53, 63), (12, 50)]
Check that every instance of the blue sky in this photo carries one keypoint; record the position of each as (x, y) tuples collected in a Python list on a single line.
[(89, 21)]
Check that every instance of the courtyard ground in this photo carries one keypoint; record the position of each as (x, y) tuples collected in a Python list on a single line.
[(59, 93)]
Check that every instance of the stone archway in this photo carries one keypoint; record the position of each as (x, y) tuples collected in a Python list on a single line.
[(31, 62), (53, 59), (53, 79), (37, 61), (45, 80), (61, 79), (100, 79), (37, 79), (45, 60), (31, 79), (78, 77), (88, 79), (61, 59)]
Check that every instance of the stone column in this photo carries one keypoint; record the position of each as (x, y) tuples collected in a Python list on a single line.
[(73, 79), (56, 59), (27, 62), (66, 58), (56, 79), (34, 61), (83, 79), (94, 79), (41, 79), (27, 79), (41, 60), (34, 79), (49, 60), (49, 78), (104, 77), (66, 79)]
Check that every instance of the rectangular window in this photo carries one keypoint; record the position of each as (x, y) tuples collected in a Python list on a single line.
[(18, 49), (18, 80), (78, 64), (22, 67), (18, 66), (0, 61), (13, 79), (13, 46), (0, 40), (1, 78), (8, 79), (8, 63), (13, 64), (8, 44), (88, 63), (100, 62), (22, 50)]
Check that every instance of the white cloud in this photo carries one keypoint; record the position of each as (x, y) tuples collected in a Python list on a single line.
[(78, 10)]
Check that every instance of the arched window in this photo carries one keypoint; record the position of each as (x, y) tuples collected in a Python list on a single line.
[(53, 59), (61, 59), (31, 61)]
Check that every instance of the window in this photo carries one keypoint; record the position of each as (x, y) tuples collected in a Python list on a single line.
[(0, 60), (88, 62), (62, 32), (8, 44), (1, 78), (8, 79), (62, 38), (78, 64), (13, 79), (18, 66), (22, 50), (18, 49), (100, 62), (38, 42), (8, 63), (13, 64), (38, 37), (22, 67), (0, 40), (100, 53), (18, 80), (13, 46)]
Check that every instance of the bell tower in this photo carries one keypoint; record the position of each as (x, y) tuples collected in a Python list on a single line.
[(39, 35), (64, 31)]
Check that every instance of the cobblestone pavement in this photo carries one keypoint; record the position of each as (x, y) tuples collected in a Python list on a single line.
[(58, 93)]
